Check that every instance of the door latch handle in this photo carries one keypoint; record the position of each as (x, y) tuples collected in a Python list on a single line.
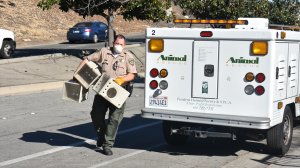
[(289, 73), (277, 72), (209, 70)]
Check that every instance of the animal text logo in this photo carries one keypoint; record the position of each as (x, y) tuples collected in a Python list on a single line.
[(241, 60), (172, 58)]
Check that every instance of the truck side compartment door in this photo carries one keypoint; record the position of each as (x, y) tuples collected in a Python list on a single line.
[(205, 69), (281, 71), (292, 81), (298, 104)]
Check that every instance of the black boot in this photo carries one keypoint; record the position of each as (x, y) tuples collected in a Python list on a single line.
[(107, 151)]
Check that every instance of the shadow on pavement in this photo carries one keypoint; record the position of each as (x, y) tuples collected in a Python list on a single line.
[(51, 138), (286, 161), (38, 52), (84, 130), (143, 138), (290, 159), (61, 139), (138, 79), (135, 40), (213, 147), (131, 135)]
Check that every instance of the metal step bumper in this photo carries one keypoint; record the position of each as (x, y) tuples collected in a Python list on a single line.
[(211, 119)]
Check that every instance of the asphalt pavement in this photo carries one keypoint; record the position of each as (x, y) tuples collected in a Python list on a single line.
[(47, 72), (50, 125)]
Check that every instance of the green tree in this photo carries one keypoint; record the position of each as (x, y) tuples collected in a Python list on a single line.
[(278, 11), (154, 10), (285, 12), (224, 9), (255, 8)]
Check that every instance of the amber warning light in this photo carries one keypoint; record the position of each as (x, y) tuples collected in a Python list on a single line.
[(213, 21)]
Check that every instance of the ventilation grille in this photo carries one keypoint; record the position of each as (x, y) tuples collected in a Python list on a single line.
[(73, 91), (87, 74)]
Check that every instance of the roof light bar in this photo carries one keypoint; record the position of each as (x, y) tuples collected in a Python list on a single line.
[(211, 21)]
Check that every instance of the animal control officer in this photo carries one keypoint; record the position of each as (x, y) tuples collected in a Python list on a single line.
[(119, 64)]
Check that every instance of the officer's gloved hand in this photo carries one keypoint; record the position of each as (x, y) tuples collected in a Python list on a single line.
[(119, 80)]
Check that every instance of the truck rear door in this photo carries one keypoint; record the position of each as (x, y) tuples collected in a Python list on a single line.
[(205, 69)]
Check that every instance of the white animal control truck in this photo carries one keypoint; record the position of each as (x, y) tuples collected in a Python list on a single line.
[(239, 82)]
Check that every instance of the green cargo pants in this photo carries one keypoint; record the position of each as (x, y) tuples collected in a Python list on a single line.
[(106, 132)]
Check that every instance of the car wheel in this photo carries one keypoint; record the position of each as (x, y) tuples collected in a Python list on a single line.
[(71, 41), (95, 38), (279, 137), (7, 49), (171, 138)]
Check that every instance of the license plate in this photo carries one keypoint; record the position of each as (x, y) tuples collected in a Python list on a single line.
[(158, 101), (76, 31)]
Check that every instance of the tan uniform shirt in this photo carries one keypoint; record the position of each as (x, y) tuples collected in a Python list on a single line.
[(114, 66)]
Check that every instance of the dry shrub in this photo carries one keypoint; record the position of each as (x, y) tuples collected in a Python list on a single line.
[(30, 22)]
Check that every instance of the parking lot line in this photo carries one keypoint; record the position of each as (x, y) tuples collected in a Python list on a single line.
[(127, 156), (89, 141)]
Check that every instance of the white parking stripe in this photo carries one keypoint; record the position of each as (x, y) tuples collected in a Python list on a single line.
[(126, 156), (46, 152)]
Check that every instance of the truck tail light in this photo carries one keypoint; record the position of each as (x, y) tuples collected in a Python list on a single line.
[(206, 34), (260, 77), (259, 90), (249, 89), (153, 84), (163, 84), (163, 73), (259, 48), (249, 77), (156, 45), (154, 73)]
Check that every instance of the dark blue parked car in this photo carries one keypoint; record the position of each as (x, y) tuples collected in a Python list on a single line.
[(88, 31)]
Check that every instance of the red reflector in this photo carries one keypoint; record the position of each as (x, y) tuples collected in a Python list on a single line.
[(88, 30), (153, 84), (206, 34), (259, 90), (260, 77), (154, 73)]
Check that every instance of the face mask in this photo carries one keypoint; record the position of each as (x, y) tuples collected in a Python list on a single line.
[(118, 49)]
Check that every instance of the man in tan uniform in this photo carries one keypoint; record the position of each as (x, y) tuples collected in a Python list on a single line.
[(118, 64)]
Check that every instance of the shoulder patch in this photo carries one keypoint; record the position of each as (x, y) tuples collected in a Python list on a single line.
[(131, 61)]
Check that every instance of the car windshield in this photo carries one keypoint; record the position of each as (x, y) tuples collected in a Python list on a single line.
[(84, 24)]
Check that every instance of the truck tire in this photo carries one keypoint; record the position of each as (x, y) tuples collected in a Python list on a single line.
[(173, 139), (279, 137), (7, 49)]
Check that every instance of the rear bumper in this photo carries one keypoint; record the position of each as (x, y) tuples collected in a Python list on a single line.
[(211, 119), (78, 37)]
